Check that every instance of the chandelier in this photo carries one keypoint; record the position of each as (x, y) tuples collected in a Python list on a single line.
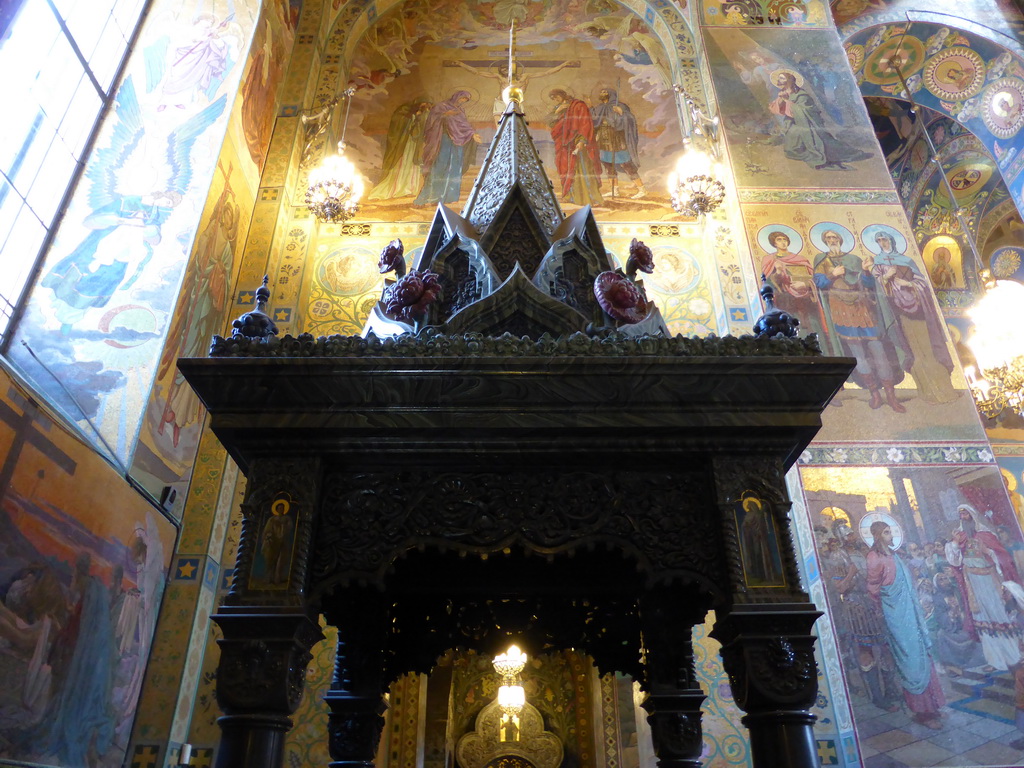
[(998, 347), (335, 186), (692, 186), (511, 694)]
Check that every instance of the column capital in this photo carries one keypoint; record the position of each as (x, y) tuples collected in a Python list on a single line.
[(263, 660), (768, 652)]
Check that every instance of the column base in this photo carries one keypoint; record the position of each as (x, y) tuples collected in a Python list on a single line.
[(782, 739), (252, 741)]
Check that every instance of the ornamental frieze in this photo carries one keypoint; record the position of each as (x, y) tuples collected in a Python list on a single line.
[(662, 519)]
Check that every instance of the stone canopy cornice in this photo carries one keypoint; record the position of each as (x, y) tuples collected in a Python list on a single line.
[(432, 343)]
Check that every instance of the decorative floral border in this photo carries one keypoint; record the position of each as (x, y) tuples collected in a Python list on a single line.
[(818, 196), (889, 455)]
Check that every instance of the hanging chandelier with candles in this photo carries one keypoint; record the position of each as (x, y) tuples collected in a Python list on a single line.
[(693, 188), (335, 186), (998, 347)]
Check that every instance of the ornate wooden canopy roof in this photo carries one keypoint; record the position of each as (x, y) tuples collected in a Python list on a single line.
[(524, 465)]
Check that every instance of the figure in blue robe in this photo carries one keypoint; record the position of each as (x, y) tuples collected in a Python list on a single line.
[(79, 725)]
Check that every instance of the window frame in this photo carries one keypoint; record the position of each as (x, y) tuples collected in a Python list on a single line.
[(107, 100)]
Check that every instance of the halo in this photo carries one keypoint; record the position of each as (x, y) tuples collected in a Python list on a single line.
[(474, 93), (280, 503), (871, 517), (752, 499), (796, 240), (867, 237), (1011, 479), (819, 229), (545, 93), (786, 70)]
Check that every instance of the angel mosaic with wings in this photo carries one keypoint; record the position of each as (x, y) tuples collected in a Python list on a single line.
[(126, 218)]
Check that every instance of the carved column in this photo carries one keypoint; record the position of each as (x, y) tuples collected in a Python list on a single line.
[(673, 695), (768, 652), (262, 668), (767, 645), (268, 628), (356, 697)]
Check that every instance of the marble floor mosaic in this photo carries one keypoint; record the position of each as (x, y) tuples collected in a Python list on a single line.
[(978, 728)]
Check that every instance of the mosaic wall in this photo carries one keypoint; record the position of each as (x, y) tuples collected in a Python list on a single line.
[(173, 418), (428, 98), (811, 204), (100, 313), (789, 112), (83, 561), (995, 18), (921, 566), (972, 79)]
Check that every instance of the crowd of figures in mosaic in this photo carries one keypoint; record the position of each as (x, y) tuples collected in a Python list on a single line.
[(922, 571)]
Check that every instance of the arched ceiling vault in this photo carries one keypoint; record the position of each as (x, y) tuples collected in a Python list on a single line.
[(976, 82), (968, 83)]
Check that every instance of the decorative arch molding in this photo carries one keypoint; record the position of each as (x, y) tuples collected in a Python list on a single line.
[(851, 22), (484, 747), (973, 80), (978, 190)]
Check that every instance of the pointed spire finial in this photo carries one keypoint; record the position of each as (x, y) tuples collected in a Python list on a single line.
[(512, 92), (257, 323), (774, 321)]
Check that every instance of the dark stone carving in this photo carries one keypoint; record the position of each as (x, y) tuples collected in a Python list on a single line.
[(262, 665), (367, 520), (674, 695), (408, 299), (255, 326), (570, 283), (619, 294), (641, 259), (461, 284), (768, 653), (392, 259), (357, 689), (353, 736), (571, 265), (430, 342), (620, 297), (251, 672), (787, 670), (518, 307), (677, 737), (774, 322), (517, 244)]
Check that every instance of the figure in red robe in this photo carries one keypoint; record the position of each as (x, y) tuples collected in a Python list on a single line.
[(981, 564), (576, 155)]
